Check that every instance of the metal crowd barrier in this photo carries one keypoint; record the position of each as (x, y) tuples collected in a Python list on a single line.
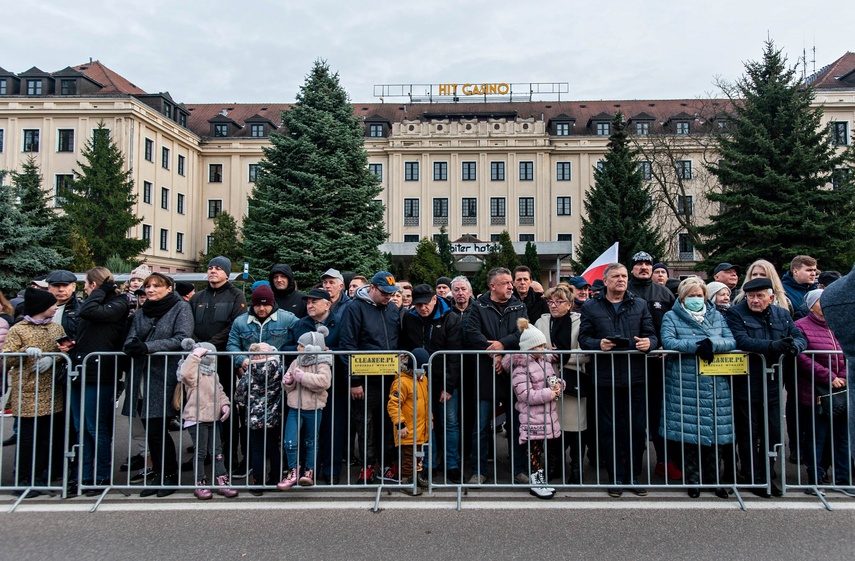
[(474, 442)]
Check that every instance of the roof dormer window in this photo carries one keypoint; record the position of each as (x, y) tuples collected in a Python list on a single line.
[(221, 130), (602, 129), (68, 86), (34, 87), (682, 127), (256, 131)]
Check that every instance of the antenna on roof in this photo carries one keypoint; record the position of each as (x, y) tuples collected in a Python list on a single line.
[(90, 60)]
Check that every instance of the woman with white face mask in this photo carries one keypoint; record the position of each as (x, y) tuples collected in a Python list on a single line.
[(697, 410)]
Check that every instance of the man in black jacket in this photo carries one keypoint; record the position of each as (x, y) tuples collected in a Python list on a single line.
[(616, 320), (434, 326), (534, 302), (760, 328), (492, 326), (285, 291), (214, 310)]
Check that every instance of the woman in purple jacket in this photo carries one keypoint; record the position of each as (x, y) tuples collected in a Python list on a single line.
[(819, 374)]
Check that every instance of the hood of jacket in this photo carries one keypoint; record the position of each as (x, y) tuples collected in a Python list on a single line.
[(440, 310), (282, 269)]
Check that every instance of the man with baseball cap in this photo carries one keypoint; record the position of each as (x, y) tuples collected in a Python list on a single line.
[(579, 287), (333, 282), (728, 275), (370, 322)]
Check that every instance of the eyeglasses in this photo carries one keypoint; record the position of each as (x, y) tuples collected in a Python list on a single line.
[(556, 302)]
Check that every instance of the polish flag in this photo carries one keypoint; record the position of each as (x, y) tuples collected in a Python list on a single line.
[(596, 269)]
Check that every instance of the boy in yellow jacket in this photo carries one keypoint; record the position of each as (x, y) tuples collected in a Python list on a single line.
[(409, 409)]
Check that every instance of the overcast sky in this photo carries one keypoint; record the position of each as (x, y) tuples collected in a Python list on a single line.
[(212, 51)]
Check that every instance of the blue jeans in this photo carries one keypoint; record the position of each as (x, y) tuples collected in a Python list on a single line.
[(446, 423), (301, 439), (96, 436)]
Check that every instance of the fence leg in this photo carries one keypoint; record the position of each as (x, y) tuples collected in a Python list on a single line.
[(738, 496), (377, 499)]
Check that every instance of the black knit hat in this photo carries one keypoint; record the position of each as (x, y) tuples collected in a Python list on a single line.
[(36, 301)]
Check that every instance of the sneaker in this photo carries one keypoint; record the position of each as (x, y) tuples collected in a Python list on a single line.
[(289, 481), (366, 476), (202, 494), (308, 478), (616, 491), (477, 479), (240, 471), (453, 475), (521, 478), (848, 491), (410, 489), (539, 490), (668, 470), (226, 491), (637, 490), (168, 481), (390, 474), (142, 474), (421, 478)]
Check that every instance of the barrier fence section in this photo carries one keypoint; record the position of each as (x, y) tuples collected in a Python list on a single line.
[(619, 421)]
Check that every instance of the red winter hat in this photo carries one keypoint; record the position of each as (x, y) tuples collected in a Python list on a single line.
[(263, 294)]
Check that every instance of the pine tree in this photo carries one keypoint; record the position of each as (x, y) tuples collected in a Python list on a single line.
[(224, 241), (24, 248), (35, 204), (426, 266), (776, 164), (445, 254), (617, 207), (313, 204), (531, 260), (100, 200), (502, 254)]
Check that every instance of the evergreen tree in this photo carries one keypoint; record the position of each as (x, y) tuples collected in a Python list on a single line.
[(81, 253), (502, 254), (100, 200), (313, 204), (531, 260), (35, 204), (445, 255), (426, 266), (776, 163), (24, 248), (617, 207), (224, 241)]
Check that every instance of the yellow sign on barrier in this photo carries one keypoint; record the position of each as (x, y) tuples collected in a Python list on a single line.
[(373, 364), (724, 365)]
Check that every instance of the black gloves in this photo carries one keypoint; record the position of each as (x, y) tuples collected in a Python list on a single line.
[(705, 350), (135, 347), (108, 287), (784, 346)]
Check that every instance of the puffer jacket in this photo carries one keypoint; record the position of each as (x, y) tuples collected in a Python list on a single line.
[(290, 299), (32, 394), (402, 405), (275, 330), (310, 393), (816, 370), (697, 409), (632, 319), (259, 391), (754, 333), (535, 404), (205, 396), (102, 322)]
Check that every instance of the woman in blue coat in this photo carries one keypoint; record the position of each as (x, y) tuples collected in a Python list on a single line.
[(697, 409)]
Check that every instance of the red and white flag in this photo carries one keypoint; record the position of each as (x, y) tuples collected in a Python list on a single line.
[(595, 270)]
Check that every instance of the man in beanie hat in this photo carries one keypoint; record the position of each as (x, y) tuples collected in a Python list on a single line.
[(214, 310), (443, 287), (660, 274), (185, 290), (284, 287)]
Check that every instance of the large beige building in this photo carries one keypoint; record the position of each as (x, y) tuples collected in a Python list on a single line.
[(476, 164)]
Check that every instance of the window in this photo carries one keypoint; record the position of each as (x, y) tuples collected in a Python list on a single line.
[(840, 177), (101, 134), (469, 211), (146, 192), (63, 184), (180, 164), (526, 237), (562, 129), (3, 90), (167, 110), (497, 171), (164, 157), (684, 169), (642, 128), (149, 150), (34, 87), (179, 242), (68, 87), (526, 211), (180, 203), (440, 212), (685, 248), (411, 171), (682, 127), (685, 205), (603, 129), (164, 239), (526, 171), (2, 135), (411, 212), (253, 172), (375, 130), (564, 238), (215, 207), (468, 171), (146, 234), (209, 239), (65, 140), (256, 131), (564, 206), (221, 130), (497, 211), (600, 165), (645, 169), (182, 119), (495, 238), (562, 171), (411, 238), (31, 140), (440, 171), (215, 173), (840, 133), (164, 198), (377, 170)]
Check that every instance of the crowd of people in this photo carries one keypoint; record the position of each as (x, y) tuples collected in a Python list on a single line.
[(264, 397)]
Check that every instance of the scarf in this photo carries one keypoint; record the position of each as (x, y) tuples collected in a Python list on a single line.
[(43, 321), (156, 309), (697, 316)]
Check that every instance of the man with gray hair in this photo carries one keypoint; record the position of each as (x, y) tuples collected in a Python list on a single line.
[(333, 282)]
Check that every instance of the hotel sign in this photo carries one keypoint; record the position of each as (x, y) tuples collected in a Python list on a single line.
[(475, 89), (473, 248)]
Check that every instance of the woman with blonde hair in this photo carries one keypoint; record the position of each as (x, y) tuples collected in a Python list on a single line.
[(764, 269)]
